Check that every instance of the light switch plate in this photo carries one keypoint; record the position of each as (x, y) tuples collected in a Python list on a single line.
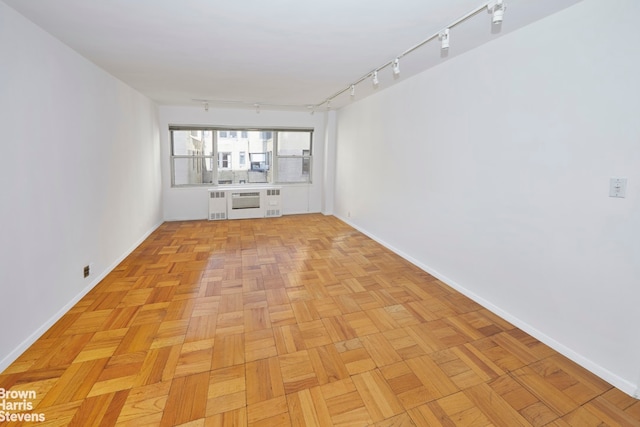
[(617, 187)]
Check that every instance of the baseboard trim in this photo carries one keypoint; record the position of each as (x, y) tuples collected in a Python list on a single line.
[(233, 219), (17, 352), (629, 388)]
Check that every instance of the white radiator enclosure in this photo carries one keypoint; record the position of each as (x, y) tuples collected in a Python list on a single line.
[(245, 202), (217, 204)]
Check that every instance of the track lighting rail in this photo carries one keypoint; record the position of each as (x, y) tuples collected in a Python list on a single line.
[(495, 7)]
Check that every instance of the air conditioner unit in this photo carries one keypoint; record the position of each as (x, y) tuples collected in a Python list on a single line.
[(245, 204)]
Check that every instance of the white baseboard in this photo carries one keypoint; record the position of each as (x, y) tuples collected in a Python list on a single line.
[(231, 219), (298, 213), (613, 379), (16, 352)]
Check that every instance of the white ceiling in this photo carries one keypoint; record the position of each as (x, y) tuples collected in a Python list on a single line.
[(276, 53)]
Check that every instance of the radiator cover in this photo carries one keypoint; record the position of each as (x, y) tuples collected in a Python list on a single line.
[(245, 202)]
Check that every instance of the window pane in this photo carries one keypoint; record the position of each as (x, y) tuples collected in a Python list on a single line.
[(293, 169), (196, 170), (294, 143), (233, 165), (192, 142)]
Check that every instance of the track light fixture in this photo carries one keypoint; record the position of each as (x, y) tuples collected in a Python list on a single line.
[(444, 39), (496, 8)]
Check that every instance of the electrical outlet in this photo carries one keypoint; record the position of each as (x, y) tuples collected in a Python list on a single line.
[(87, 270)]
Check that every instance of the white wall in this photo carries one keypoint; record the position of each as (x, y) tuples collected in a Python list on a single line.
[(492, 172), (329, 184), (80, 177), (188, 203)]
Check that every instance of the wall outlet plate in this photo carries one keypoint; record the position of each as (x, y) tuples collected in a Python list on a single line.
[(618, 187)]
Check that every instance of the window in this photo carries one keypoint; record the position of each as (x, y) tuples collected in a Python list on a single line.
[(294, 156), (240, 170), (192, 157), (259, 161), (217, 156), (224, 160)]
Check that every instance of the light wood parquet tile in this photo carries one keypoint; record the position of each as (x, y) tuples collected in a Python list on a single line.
[(295, 321), (267, 409)]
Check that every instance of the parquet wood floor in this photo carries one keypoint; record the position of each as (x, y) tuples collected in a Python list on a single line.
[(300, 321)]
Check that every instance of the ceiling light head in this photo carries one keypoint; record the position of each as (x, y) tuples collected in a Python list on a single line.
[(444, 39), (496, 8), (206, 106), (396, 66), (374, 78)]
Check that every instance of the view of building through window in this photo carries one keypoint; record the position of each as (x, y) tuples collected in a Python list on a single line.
[(225, 156), (294, 156), (192, 157), (259, 146)]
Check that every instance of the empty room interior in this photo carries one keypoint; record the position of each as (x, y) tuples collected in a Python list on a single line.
[(416, 213)]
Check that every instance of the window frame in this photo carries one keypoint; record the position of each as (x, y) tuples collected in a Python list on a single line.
[(197, 159), (307, 159)]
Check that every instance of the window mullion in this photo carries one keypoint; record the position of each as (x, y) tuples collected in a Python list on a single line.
[(275, 157), (215, 158)]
